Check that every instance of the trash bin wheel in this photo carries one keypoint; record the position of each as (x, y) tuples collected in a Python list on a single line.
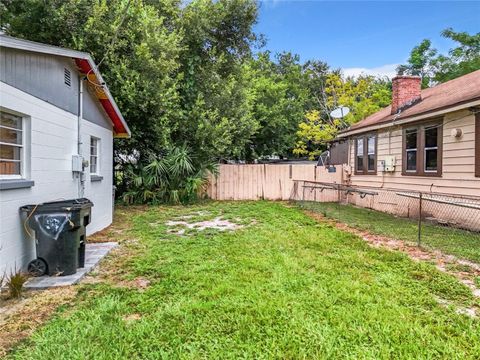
[(37, 267)]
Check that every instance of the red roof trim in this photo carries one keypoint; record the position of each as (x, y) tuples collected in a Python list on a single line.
[(85, 67)]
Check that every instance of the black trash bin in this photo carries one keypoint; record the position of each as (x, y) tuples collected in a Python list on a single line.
[(60, 235)]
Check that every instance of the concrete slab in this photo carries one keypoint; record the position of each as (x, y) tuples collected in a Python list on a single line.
[(93, 254)]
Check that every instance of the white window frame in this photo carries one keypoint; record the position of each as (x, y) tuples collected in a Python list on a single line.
[(21, 146), (97, 156)]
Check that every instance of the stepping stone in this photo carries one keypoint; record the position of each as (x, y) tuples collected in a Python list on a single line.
[(93, 254)]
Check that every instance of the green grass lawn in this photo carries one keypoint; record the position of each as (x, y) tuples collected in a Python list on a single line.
[(284, 286), (461, 243)]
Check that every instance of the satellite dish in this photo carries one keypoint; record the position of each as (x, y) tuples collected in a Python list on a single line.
[(340, 113)]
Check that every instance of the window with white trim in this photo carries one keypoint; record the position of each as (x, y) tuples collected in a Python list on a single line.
[(94, 155), (11, 146)]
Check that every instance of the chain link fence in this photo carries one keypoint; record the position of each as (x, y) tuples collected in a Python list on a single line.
[(445, 222)]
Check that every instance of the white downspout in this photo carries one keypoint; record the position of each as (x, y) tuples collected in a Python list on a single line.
[(81, 174)]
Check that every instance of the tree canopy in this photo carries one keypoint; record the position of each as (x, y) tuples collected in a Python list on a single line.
[(195, 75), (434, 67)]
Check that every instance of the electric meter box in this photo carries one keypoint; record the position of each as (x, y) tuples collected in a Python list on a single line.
[(388, 164), (77, 163)]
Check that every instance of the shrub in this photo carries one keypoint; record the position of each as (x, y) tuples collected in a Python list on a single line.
[(15, 284), (176, 177)]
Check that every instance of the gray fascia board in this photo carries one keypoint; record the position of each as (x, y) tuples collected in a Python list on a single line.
[(27, 45)]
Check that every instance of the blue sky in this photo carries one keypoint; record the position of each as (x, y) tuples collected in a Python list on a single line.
[(357, 36)]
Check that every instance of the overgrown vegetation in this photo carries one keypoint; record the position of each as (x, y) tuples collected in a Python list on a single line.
[(195, 73), (191, 73), (284, 286), (173, 178)]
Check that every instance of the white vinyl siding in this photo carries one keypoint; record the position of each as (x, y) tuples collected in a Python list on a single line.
[(458, 160)]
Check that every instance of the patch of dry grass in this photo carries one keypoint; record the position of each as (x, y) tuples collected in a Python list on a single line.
[(20, 317)]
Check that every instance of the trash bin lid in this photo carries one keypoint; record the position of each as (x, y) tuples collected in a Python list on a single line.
[(62, 205)]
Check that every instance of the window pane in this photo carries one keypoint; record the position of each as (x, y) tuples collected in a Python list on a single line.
[(411, 160), (10, 133), (371, 163), (431, 160), (9, 152), (10, 136), (93, 146), (93, 164), (9, 168), (411, 139), (94, 143), (11, 121), (359, 146), (431, 138), (371, 145), (359, 163)]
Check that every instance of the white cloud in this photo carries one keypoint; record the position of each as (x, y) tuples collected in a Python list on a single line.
[(388, 70)]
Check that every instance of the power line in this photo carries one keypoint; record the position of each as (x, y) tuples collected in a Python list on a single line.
[(112, 42)]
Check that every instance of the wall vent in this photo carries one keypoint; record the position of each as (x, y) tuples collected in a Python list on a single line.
[(67, 75)]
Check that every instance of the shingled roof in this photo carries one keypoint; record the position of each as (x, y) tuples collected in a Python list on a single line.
[(455, 92)]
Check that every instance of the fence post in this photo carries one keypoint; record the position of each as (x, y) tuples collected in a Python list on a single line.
[(419, 219)]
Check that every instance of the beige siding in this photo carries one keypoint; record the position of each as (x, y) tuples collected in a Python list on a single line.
[(458, 161)]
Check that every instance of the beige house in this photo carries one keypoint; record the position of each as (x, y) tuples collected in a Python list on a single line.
[(426, 140)]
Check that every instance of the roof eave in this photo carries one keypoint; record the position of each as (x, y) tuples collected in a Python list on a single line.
[(87, 66), (122, 131), (412, 118)]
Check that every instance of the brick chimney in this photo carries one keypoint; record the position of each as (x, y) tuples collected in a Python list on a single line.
[(406, 91)]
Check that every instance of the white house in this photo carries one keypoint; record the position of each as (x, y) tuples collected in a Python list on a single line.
[(55, 110)]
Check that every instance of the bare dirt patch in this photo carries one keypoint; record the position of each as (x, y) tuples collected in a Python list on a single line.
[(217, 223), (140, 283), (465, 271), (131, 317), (19, 318)]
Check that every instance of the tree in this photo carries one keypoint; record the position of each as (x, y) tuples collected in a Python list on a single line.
[(461, 60), (215, 101), (279, 96), (435, 68), (420, 62), (363, 96), (137, 51)]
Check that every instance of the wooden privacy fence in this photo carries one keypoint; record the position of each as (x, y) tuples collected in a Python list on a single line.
[(265, 181)]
